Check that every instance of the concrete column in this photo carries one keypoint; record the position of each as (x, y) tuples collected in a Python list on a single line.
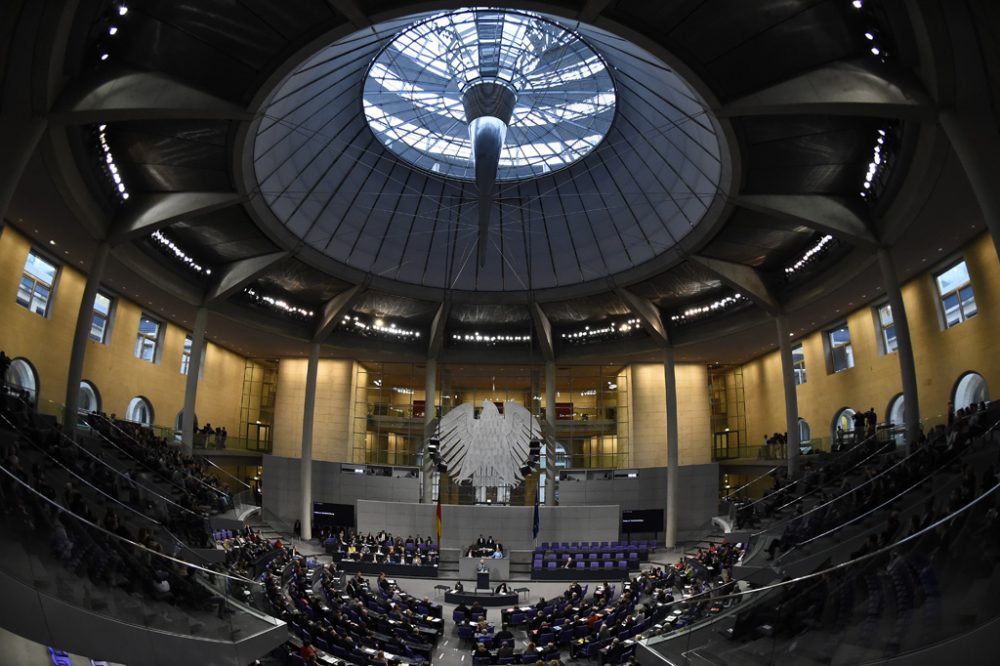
[(791, 398), (550, 440), (81, 334), (191, 383), (904, 348), (670, 386), (430, 384), (976, 141), (305, 463)]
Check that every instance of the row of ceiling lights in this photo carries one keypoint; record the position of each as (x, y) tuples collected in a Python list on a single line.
[(108, 162), (619, 328), (699, 311), (277, 304), (811, 255), (875, 177), (117, 13), (489, 338), (172, 249), (379, 325)]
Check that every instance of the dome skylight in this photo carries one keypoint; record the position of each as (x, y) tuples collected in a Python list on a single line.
[(426, 90)]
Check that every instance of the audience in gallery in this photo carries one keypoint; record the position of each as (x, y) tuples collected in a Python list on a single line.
[(381, 548)]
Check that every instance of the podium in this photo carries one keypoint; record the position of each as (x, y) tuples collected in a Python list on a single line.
[(483, 580)]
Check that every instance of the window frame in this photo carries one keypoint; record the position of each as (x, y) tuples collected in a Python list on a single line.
[(186, 356), (831, 348), (156, 342), (96, 314), (35, 282), (881, 329), (956, 292), (799, 366)]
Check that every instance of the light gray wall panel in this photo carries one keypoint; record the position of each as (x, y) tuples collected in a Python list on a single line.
[(510, 525)]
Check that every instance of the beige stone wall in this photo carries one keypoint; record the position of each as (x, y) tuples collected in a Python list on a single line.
[(112, 366), (649, 415), (941, 356), (333, 420)]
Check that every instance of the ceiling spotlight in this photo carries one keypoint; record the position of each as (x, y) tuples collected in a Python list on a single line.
[(122, 10), (113, 30)]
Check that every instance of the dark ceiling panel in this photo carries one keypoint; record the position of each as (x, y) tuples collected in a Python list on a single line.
[(380, 304), (485, 314), (171, 156), (682, 282), (756, 239), (816, 33), (807, 154), (221, 46), (580, 310), (303, 284), (221, 237)]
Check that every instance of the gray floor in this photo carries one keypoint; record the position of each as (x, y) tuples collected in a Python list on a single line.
[(449, 651)]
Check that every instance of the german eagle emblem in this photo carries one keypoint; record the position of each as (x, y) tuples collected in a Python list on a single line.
[(489, 450)]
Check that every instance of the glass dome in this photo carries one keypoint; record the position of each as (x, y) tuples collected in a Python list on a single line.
[(416, 92)]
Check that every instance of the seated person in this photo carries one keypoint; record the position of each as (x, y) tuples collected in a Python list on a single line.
[(501, 589)]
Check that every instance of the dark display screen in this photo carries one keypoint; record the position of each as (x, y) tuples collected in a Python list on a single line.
[(642, 520), (326, 514)]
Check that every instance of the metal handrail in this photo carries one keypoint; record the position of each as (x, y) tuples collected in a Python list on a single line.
[(751, 482), (118, 537), (707, 595)]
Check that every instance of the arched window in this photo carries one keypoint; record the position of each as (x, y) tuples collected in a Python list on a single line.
[(140, 411), (842, 430), (22, 376), (805, 432), (895, 414), (90, 399), (970, 388), (179, 426)]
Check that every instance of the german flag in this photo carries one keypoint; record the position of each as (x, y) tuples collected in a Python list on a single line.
[(437, 520)]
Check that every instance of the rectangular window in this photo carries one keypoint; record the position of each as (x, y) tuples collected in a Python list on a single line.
[(799, 364), (34, 291), (887, 328), (148, 339), (186, 356), (955, 290), (841, 352), (100, 318)]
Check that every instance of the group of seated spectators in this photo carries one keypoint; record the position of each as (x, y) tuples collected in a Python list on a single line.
[(198, 489), (485, 548), (382, 548)]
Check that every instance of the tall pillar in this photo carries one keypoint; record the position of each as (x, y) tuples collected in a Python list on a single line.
[(904, 349), (976, 141), (670, 386), (305, 465), (550, 440), (791, 398), (430, 384), (191, 382), (81, 334)]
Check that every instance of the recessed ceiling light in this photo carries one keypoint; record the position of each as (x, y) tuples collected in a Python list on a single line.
[(52, 242)]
